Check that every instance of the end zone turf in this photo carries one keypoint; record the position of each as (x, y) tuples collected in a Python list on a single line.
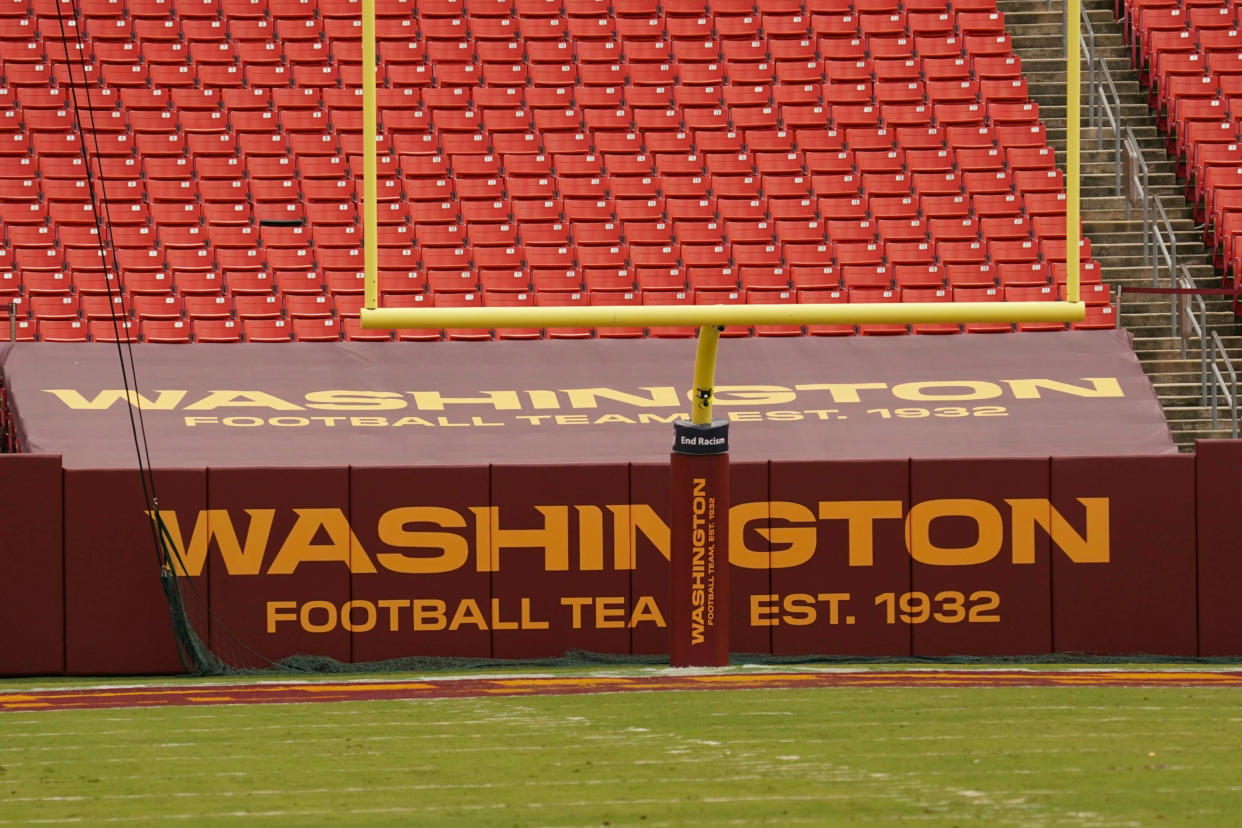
[(112, 696)]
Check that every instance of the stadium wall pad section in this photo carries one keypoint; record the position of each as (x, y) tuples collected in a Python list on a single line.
[(984, 557)]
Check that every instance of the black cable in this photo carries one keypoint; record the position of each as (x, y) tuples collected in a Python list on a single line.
[(195, 658), (137, 423)]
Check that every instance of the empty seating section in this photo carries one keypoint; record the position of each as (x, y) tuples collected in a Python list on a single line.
[(531, 152), (1190, 56)]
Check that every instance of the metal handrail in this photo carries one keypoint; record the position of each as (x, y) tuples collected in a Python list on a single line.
[(1159, 240), (1163, 243), (1140, 178), (1192, 323), (11, 309), (1086, 50), (1110, 108), (1219, 386)]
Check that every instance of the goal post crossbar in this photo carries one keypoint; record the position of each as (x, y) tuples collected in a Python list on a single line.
[(602, 316)]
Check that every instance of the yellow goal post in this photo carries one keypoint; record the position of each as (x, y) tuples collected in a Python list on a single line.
[(711, 319)]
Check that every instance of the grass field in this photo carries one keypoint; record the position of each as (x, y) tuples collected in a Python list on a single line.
[(930, 756)]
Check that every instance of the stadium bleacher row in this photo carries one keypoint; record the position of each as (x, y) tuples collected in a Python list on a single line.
[(531, 152), (1188, 55)]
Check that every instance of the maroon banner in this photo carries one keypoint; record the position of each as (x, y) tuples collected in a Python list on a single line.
[(285, 552), (979, 545), (117, 619), (557, 582), (699, 580), (427, 588), (1218, 483), (31, 590), (605, 401), (1124, 581), (838, 551)]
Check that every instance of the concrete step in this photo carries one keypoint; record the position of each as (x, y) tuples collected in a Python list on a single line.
[(1117, 238)]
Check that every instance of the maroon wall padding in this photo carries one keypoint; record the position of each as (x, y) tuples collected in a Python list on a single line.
[(997, 606), (649, 490), (578, 495), (1143, 599), (1218, 483), (31, 589), (241, 601), (748, 484), (798, 489), (426, 520), (117, 619)]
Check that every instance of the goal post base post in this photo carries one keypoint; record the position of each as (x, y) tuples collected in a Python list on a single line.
[(699, 551)]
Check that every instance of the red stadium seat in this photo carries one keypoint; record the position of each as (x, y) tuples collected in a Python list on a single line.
[(545, 149), (319, 329)]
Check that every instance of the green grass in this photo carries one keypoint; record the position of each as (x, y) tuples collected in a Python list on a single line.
[(1009, 756)]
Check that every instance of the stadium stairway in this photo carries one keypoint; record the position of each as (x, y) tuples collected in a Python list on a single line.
[(1117, 242)]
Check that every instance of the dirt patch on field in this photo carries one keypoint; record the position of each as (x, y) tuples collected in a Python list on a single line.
[(335, 691)]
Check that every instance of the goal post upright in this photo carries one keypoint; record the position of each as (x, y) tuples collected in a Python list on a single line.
[(1073, 147), (370, 205)]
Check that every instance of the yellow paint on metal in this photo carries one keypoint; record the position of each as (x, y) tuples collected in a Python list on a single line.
[(1073, 123), (601, 316), (704, 374), (370, 208)]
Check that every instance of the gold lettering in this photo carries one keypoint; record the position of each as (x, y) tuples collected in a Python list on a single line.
[(448, 551), (970, 390), (646, 609), (645, 418), (553, 538), (429, 614), (280, 611), (658, 396), (242, 399), (1090, 547), (630, 519), (752, 395), (1028, 389), (368, 615), (861, 515), (164, 401), (528, 623), (497, 624), (329, 622), (991, 532), (355, 400), (763, 610), (843, 392), (613, 418), (798, 541), (342, 544), (575, 605), (610, 613), (418, 421), (590, 538), (434, 401), (468, 612), (217, 525)]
